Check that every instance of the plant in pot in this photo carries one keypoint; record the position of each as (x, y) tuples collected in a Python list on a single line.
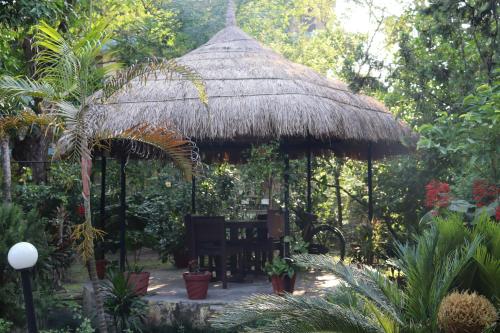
[(173, 245), (123, 304), (137, 277), (196, 281), (282, 274), (138, 280)]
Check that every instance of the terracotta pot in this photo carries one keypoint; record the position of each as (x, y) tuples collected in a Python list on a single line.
[(197, 284), (283, 283), (181, 258), (100, 267), (140, 282)]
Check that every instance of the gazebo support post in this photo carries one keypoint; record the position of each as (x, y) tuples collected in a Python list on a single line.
[(102, 208), (286, 185), (309, 179), (370, 183), (123, 161), (193, 195), (338, 194)]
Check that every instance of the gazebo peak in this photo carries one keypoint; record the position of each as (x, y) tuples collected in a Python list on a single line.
[(230, 15)]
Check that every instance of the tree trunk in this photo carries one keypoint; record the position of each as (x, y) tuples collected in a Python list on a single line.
[(86, 166), (7, 179), (99, 302), (32, 152)]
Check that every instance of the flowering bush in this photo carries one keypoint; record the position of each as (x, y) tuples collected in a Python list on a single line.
[(437, 194), (484, 195)]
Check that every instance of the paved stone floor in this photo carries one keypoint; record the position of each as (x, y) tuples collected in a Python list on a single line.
[(168, 285), (169, 305)]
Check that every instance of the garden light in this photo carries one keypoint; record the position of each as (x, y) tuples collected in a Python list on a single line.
[(23, 256)]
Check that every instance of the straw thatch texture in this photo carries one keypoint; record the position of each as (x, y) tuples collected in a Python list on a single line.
[(255, 94)]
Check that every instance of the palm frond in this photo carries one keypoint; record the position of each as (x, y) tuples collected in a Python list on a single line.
[(429, 274), (141, 72), (488, 277), (73, 142), (141, 137), (293, 314), (361, 280), (16, 87)]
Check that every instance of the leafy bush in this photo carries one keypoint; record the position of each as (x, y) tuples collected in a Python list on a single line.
[(5, 326)]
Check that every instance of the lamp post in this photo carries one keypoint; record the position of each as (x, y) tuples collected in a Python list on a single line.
[(22, 256)]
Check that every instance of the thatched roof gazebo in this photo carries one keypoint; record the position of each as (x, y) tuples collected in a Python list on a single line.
[(255, 96)]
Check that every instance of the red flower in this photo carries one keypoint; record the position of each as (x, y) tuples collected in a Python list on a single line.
[(497, 213), (484, 193), (437, 194)]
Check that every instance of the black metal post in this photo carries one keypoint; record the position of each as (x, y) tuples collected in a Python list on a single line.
[(123, 208), (309, 179), (286, 185), (28, 301), (102, 208), (193, 195), (370, 183), (338, 195)]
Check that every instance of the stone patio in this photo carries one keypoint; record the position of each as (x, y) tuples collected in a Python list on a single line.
[(169, 305)]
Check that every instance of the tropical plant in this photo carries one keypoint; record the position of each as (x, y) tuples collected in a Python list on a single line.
[(123, 304), (369, 301), (280, 267), (70, 71)]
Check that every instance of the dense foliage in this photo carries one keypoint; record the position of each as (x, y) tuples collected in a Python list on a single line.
[(438, 72)]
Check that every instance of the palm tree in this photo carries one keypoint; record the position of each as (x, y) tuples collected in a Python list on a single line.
[(367, 301), (70, 72)]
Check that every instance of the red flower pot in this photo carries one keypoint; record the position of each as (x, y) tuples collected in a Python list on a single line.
[(197, 284), (140, 282), (100, 267), (282, 284), (181, 258)]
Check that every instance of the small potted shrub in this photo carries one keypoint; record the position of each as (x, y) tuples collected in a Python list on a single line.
[(196, 281), (123, 303), (138, 280), (171, 243), (282, 274)]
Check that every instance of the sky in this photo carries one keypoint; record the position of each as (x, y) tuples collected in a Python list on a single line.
[(356, 18)]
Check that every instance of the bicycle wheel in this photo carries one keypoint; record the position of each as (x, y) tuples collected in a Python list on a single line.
[(328, 240)]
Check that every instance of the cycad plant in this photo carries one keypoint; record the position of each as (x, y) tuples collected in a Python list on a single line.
[(69, 72), (367, 301)]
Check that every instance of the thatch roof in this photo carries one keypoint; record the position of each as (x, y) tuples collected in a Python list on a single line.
[(257, 95)]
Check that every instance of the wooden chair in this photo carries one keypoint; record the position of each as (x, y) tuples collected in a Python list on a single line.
[(206, 236)]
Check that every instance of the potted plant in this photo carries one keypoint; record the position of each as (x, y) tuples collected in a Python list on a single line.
[(100, 267), (138, 280), (282, 274), (173, 244), (196, 281), (123, 303)]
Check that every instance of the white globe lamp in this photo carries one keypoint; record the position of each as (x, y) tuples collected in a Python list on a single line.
[(22, 255)]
